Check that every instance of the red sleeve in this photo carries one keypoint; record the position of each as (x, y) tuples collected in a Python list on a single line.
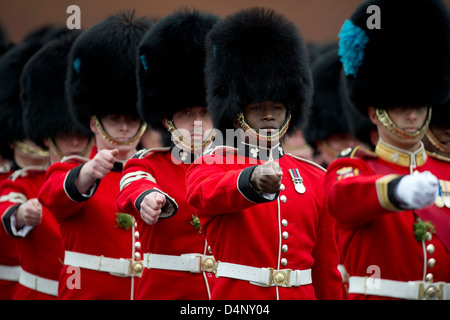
[(219, 188), (327, 279), (53, 194), (138, 181), (356, 194), (141, 180)]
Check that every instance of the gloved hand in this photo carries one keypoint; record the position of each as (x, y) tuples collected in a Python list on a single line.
[(416, 191)]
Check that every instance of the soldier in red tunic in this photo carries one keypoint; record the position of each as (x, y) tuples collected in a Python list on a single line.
[(100, 261), (22, 152), (171, 98), (262, 211), (395, 240), (47, 124)]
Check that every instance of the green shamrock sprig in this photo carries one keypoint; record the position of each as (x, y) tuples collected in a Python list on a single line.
[(421, 228)]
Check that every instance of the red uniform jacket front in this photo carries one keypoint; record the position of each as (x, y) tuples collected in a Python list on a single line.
[(40, 252), (163, 170), (294, 231), (88, 225), (375, 234)]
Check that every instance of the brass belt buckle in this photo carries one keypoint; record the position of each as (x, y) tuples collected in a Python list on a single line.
[(208, 264), (136, 268), (431, 292), (280, 277)]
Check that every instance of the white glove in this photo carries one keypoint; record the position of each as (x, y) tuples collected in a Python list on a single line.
[(416, 191)]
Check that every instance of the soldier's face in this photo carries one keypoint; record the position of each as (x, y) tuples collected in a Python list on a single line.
[(71, 144), (195, 122), (120, 127), (265, 117), (409, 119)]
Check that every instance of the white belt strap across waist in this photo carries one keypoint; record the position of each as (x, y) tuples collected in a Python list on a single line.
[(264, 276), (412, 290), (9, 273), (192, 262), (119, 267), (38, 283)]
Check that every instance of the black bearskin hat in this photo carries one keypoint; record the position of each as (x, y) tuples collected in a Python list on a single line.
[(101, 76), (256, 55), (331, 111), (404, 62), (327, 114), (170, 65), (11, 65), (44, 106)]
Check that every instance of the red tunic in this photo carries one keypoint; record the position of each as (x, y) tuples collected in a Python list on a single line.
[(39, 251), (174, 235), (375, 234), (8, 254), (88, 225), (293, 231)]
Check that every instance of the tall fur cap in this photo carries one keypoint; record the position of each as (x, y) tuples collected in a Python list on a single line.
[(171, 59), (44, 106), (101, 70), (11, 66), (256, 55), (405, 62)]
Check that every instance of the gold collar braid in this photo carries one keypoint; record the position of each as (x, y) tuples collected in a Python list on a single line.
[(105, 135), (261, 137), (387, 122), (180, 140)]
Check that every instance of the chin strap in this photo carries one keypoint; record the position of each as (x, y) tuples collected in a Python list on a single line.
[(57, 151), (387, 122), (105, 135), (181, 142), (435, 142), (261, 137), (31, 150)]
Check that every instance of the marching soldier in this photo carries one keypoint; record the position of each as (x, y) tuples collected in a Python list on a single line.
[(100, 260), (262, 211), (29, 161), (395, 240), (48, 125), (9, 263), (171, 98)]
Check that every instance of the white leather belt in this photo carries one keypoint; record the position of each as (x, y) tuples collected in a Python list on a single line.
[(9, 273), (412, 290), (264, 276), (192, 262), (118, 267), (38, 283)]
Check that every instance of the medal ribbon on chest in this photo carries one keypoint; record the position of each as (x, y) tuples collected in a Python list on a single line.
[(443, 199), (297, 180), (443, 184)]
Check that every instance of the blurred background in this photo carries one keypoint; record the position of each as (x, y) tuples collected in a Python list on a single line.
[(318, 20)]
